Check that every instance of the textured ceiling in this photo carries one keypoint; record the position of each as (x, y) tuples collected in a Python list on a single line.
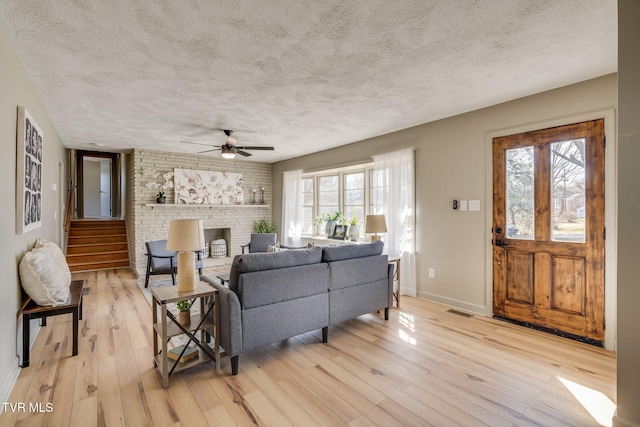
[(300, 75)]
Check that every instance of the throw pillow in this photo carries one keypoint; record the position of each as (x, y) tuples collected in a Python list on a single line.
[(273, 248), (45, 275)]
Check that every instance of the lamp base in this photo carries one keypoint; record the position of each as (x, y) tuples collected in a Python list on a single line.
[(375, 238), (186, 271)]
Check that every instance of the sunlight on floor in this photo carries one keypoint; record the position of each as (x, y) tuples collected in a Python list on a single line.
[(406, 320), (599, 406)]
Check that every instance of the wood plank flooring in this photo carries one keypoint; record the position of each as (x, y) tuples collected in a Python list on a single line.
[(423, 367)]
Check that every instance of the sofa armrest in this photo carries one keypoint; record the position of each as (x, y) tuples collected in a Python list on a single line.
[(230, 318)]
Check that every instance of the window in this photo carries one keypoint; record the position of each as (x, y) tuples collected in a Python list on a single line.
[(354, 197), (345, 189), (307, 205)]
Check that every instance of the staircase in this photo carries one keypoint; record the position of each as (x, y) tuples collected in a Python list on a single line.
[(97, 244)]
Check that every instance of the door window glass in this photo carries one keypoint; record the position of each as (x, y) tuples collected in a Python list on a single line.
[(520, 196), (568, 191)]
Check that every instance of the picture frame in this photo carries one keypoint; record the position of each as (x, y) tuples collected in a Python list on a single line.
[(340, 232), (202, 187), (29, 171)]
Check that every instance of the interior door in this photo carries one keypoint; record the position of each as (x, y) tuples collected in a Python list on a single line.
[(548, 228)]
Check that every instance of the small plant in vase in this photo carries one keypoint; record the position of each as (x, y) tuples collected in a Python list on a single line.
[(330, 219), (159, 182), (354, 231), (184, 312)]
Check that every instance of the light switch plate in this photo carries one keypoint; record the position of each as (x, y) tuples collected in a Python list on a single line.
[(474, 205), (463, 205)]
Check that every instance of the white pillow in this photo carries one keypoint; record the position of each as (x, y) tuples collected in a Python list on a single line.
[(45, 275)]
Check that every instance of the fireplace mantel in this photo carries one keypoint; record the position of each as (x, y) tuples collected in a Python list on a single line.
[(194, 206)]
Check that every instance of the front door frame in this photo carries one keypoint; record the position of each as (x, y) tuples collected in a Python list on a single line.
[(610, 218)]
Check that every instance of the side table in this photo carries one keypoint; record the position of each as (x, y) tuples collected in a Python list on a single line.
[(396, 278), (206, 320)]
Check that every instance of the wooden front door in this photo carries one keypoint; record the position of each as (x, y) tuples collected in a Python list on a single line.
[(548, 228)]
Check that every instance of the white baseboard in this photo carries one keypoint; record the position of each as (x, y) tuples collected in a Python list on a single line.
[(453, 303), (621, 422), (9, 381)]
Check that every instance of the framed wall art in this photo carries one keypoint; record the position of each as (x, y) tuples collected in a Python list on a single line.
[(29, 151), (207, 187)]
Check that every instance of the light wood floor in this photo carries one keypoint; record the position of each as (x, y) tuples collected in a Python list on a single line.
[(423, 367)]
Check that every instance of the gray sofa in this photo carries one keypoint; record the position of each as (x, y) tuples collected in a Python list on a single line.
[(274, 296)]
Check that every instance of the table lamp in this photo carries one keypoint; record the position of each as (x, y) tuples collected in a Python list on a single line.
[(186, 236), (375, 224)]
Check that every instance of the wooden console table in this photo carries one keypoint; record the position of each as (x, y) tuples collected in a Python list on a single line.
[(204, 322)]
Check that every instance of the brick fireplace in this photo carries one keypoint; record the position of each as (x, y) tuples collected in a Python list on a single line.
[(147, 220)]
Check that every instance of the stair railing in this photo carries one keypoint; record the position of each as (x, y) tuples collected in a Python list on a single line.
[(67, 218)]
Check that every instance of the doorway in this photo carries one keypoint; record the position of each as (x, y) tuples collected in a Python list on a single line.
[(97, 189), (548, 229)]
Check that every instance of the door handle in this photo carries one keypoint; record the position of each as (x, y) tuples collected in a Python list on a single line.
[(501, 243)]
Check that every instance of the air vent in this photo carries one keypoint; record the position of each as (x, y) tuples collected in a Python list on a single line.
[(459, 313)]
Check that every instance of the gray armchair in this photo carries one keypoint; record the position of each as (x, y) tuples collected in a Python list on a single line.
[(162, 261), (260, 242)]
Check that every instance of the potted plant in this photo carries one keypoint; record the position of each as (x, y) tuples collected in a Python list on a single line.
[(159, 181), (184, 312), (354, 231), (330, 220), (264, 226)]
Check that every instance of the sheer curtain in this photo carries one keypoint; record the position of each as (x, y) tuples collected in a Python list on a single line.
[(291, 206), (394, 197)]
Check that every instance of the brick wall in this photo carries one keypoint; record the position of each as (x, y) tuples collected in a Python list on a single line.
[(150, 221)]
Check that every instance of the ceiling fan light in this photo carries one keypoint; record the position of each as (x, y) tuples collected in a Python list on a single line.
[(228, 152)]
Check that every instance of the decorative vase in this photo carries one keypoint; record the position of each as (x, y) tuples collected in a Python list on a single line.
[(160, 199), (329, 227), (184, 317), (354, 233)]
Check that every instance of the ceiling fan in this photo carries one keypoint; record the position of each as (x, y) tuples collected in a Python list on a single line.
[(230, 148)]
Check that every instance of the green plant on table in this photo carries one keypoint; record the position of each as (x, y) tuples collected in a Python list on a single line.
[(265, 225), (333, 216), (184, 305)]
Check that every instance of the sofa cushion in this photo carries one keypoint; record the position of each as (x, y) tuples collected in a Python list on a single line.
[(338, 253), (45, 275), (269, 261)]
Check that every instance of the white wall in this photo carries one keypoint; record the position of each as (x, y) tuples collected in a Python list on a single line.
[(451, 163), (15, 90), (628, 413)]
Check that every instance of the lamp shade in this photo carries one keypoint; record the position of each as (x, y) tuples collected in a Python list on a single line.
[(185, 235), (375, 224)]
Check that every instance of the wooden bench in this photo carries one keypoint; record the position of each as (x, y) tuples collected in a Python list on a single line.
[(31, 310)]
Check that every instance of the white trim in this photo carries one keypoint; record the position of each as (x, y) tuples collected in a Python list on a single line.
[(453, 303), (610, 214)]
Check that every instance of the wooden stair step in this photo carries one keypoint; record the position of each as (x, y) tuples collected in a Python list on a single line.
[(106, 231), (98, 257), (96, 223), (98, 265), (83, 240), (96, 248)]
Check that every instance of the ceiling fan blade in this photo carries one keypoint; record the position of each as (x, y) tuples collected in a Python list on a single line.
[(242, 153), (255, 148), (208, 151), (196, 143)]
